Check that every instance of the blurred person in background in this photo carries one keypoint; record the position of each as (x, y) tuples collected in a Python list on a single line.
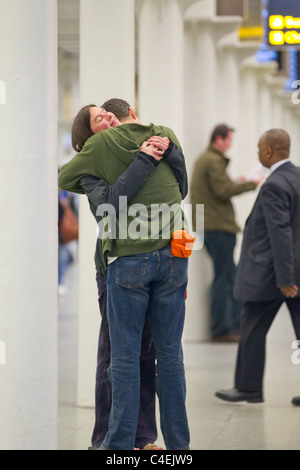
[(212, 186), (67, 234)]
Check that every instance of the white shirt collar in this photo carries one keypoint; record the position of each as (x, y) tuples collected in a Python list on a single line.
[(278, 164)]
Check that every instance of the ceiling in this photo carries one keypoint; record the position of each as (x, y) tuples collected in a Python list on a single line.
[(68, 23)]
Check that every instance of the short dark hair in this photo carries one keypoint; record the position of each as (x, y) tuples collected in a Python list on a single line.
[(120, 108), (222, 130), (81, 129)]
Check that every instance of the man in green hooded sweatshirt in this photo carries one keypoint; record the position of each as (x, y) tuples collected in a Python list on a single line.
[(142, 276)]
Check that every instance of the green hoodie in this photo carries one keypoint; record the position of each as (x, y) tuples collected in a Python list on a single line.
[(139, 229)]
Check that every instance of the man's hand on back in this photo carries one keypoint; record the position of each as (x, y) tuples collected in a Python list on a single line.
[(156, 146)]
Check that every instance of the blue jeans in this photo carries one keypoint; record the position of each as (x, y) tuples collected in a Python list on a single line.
[(225, 310), (153, 283), (146, 430), (64, 259)]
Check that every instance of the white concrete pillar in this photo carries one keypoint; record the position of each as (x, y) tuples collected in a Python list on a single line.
[(275, 84), (284, 98), (250, 118), (107, 70), (160, 64), (278, 110), (28, 213), (266, 102), (203, 85), (288, 114), (232, 52), (295, 147), (293, 129), (252, 121), (261, 106)]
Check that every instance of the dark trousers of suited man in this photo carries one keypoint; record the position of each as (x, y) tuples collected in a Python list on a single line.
[(256, 320)]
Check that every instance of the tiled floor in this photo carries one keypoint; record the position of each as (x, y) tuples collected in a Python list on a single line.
[(214, 425)]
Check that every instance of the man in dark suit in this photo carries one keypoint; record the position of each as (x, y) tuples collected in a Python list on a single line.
[(269, 269)]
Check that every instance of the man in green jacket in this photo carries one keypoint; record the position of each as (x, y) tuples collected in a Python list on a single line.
[(143, 277), (99, 192), (212, 186)]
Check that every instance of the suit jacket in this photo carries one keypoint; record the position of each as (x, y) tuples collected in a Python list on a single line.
[(270, 255)]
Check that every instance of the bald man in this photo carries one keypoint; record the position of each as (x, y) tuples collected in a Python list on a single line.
[(269, 269)]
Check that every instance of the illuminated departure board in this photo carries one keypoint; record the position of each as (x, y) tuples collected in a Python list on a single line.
[(283, 23)]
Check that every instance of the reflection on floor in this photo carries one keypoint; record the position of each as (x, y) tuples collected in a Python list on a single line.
[(214, 425)]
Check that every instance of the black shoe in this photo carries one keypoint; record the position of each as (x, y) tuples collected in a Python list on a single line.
[(97, 448), (230, 338), (235, 395), (296, 401)]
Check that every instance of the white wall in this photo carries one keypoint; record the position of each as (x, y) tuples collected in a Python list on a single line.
[(28, 212)]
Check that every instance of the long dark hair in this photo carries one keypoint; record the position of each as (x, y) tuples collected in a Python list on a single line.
[(81, 129)]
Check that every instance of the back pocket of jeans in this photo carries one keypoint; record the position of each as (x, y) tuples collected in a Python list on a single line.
[(179, 271), (131, 270)]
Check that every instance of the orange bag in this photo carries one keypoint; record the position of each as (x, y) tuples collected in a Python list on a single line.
[(182, 243)]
